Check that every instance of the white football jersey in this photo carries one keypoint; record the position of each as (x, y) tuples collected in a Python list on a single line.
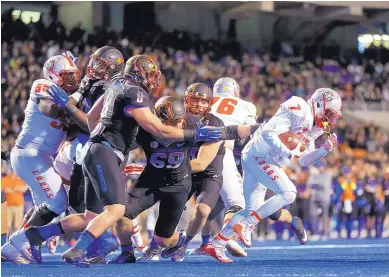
[(39, 131), (294, 115), (233, 111)]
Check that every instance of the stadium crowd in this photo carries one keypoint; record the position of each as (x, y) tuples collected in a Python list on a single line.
[(357, 173)]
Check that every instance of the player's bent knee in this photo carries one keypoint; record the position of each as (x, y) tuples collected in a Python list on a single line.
[(123, 222), (202, 210), (115, 210), (288, 196)]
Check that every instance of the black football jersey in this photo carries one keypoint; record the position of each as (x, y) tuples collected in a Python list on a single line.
[(115, 127), (91, 91), (215, 168), (167, 160)]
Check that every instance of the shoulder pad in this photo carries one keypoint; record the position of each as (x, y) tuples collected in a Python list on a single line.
[(251, 108), (39, 87)]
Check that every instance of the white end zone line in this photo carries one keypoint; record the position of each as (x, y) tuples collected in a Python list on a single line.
[(291, 247), (326, 246)]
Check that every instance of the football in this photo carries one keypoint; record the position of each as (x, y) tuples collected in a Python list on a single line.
[(291, 140)]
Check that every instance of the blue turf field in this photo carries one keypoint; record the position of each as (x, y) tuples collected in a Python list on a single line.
[(367, 257)]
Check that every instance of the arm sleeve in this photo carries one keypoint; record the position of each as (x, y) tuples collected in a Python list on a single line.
[(136, 98), (278, 124), (312, 157)]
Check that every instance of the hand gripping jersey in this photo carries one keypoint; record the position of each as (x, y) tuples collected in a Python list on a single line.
[(115, 126), (233, 111), (294, 115), (40, 132)]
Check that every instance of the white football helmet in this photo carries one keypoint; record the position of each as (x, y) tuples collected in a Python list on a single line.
[(226, 85), (62, 70), (326, 106)]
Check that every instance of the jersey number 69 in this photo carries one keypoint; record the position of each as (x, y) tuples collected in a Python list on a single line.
[(172, 160)]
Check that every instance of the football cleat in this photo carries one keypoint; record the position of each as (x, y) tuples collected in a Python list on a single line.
[(97, 253), (235, 249), (10, 253), (151, 254), (217, 252), (127, 257), (73, 255), (169, 252), (244, 232), (179, 256), (298, 227), (21, 243)]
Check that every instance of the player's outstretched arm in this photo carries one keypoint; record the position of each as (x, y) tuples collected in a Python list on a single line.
[(206, 155), (151, 123), (234, 132), (61, 99), (316, 155)]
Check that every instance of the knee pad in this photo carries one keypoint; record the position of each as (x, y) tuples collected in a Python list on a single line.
[(276, 215), (233, 209), (288, 197)]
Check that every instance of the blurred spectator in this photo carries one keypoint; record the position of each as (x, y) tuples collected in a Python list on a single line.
[(14, 189), (320, 182)]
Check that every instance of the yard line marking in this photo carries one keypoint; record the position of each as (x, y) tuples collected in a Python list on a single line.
[(291, 247)]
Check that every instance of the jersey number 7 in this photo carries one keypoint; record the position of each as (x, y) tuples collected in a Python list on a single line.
[(297, 107), (226, 106)]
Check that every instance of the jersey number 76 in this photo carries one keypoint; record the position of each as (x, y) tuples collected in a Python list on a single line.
[(226, 106)]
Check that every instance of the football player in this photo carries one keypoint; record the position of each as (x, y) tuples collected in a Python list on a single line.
[(265, 153), (166, 178), (114, 120), (207, 167), (234, 111), (43, 132)]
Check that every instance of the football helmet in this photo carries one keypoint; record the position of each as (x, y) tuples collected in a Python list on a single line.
[(194, 93), (326, 106), (170, 110), (62, 71), (104, 63), (226, 86), (145, 71)]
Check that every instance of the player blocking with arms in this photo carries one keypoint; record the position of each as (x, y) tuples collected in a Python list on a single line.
[(43, 132), (125, 106), (166, 178), (265, 153)]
